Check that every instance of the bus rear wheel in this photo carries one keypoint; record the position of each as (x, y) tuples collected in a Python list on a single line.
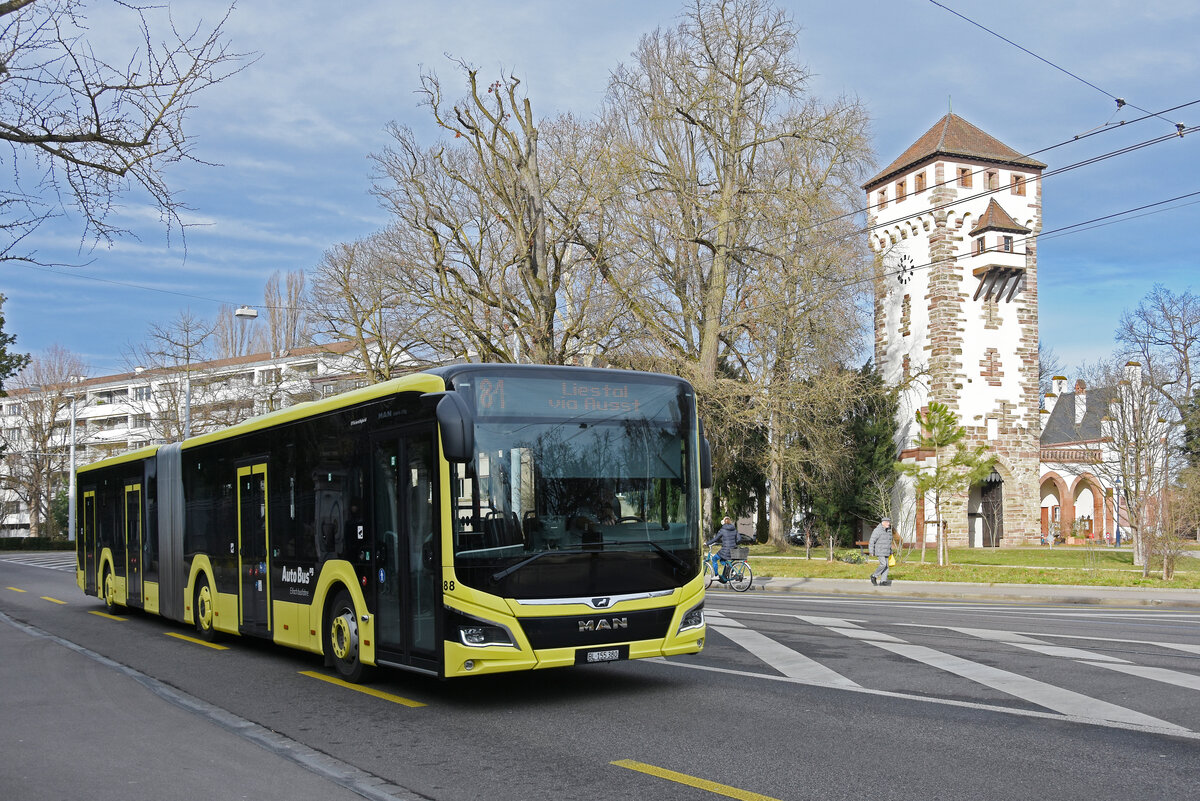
[(203, 612), (109, 588), (343, 647)]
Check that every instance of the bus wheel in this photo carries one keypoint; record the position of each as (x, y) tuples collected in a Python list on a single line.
[(202, 611), (341, 638), (110, 592)]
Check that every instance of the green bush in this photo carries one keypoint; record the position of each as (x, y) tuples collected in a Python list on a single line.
[(35, 544)]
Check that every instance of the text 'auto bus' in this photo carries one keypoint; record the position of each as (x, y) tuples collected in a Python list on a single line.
[(464, 520)]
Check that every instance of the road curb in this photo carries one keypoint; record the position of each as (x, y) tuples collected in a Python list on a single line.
[(962, 591)]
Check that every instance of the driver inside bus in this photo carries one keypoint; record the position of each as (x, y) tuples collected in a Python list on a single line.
[(605, 509)]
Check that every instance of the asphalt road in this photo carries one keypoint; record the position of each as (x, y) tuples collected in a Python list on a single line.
[(794, 697)]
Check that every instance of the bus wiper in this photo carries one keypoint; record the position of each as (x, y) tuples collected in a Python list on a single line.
[(508, 571), (589, 547), (667, 554)]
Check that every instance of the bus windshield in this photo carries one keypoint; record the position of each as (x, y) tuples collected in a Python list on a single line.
[(593, 501)]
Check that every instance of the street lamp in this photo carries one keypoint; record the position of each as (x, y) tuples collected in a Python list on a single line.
[(246, 312), (71, 479)]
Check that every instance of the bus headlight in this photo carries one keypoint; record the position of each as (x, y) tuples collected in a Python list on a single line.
[(480, 636), (693, 619), (477, 632)]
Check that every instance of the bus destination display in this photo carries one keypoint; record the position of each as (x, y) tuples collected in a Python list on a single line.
[(499, 397)]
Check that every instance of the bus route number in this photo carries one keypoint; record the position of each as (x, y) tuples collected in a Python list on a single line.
[(491, 395)]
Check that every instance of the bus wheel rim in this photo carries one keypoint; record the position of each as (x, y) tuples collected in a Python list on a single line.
[(204, 608), (110, 592), (344, 636)]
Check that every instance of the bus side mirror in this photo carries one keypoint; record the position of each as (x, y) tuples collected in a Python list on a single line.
[(458, 430), (706, 481)]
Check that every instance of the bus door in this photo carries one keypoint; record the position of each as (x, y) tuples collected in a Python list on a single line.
[(254, 567), (133, 542), (89, 542), (407, 558)]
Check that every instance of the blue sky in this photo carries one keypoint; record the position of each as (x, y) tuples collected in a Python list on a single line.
[(293, 132)]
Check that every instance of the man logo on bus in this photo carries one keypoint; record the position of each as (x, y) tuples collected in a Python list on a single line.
[(604, 624), (601, 603)]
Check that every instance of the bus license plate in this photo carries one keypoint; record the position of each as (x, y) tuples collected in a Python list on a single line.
[(594, 655)]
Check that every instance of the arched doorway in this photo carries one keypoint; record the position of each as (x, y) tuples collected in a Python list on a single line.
[(985, 512)]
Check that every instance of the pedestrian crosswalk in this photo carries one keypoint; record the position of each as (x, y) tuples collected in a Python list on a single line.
[(51, 560), (1039, 688)]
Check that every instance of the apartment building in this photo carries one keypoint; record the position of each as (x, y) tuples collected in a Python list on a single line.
[(113, 414)]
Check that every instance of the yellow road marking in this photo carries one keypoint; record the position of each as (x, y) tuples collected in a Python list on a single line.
[(53, 600), (692, 781), (107, 615), (395, 699), (211, 645), (16, 589)]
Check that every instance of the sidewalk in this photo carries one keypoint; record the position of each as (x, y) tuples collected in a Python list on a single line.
[(963, 591)]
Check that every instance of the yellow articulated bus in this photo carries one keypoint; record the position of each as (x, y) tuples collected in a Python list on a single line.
[(464, 520)]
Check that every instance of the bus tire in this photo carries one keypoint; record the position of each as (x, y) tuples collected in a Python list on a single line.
[(343, 649), (108, 591), (203, 611)]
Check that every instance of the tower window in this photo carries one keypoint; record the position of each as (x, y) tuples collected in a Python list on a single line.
[(993, 179), (964, 177), (882, 199), (1017, 184), (1007, 244), (979, 245), (901, 190), (919, 182)]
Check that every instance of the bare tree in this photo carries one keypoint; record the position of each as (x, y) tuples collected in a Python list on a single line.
[(288, 324), (696, 113), (1049, 365), (1163, 335), (1181, 520), (36, 450), (358, 298), (729, 169), (1137, 452), (170, 358), (84, 123), (497, 233)]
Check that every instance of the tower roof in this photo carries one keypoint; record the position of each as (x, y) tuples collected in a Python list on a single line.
[(954, 136), (997, 219)]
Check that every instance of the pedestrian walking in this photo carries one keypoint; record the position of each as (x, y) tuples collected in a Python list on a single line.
[(881, 546)]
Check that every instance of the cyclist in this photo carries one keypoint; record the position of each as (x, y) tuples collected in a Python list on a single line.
[(727, 535)]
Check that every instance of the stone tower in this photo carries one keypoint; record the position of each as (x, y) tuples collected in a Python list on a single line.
[(953, 224)]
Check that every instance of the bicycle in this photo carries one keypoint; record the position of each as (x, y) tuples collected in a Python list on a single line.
[(740, 576)]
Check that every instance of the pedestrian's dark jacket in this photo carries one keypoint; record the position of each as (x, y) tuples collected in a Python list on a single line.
[(727, 535), (881, 542)]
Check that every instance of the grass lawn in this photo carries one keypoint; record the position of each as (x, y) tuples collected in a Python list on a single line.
[(1102, 567)]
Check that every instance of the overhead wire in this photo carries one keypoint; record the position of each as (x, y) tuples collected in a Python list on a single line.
[(983, 170), (1073, 228), (1120, 101), (849, 214)]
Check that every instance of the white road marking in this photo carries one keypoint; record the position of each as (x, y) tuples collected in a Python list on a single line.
[(1035, 645), (1174, 731), (1049, 696), (1059, 699), (49, 561), (1175, 677), (783, 659), (792, 664)]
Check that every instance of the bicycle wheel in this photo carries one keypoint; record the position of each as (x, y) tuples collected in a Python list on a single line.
[(709, 576), (740, 576)]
